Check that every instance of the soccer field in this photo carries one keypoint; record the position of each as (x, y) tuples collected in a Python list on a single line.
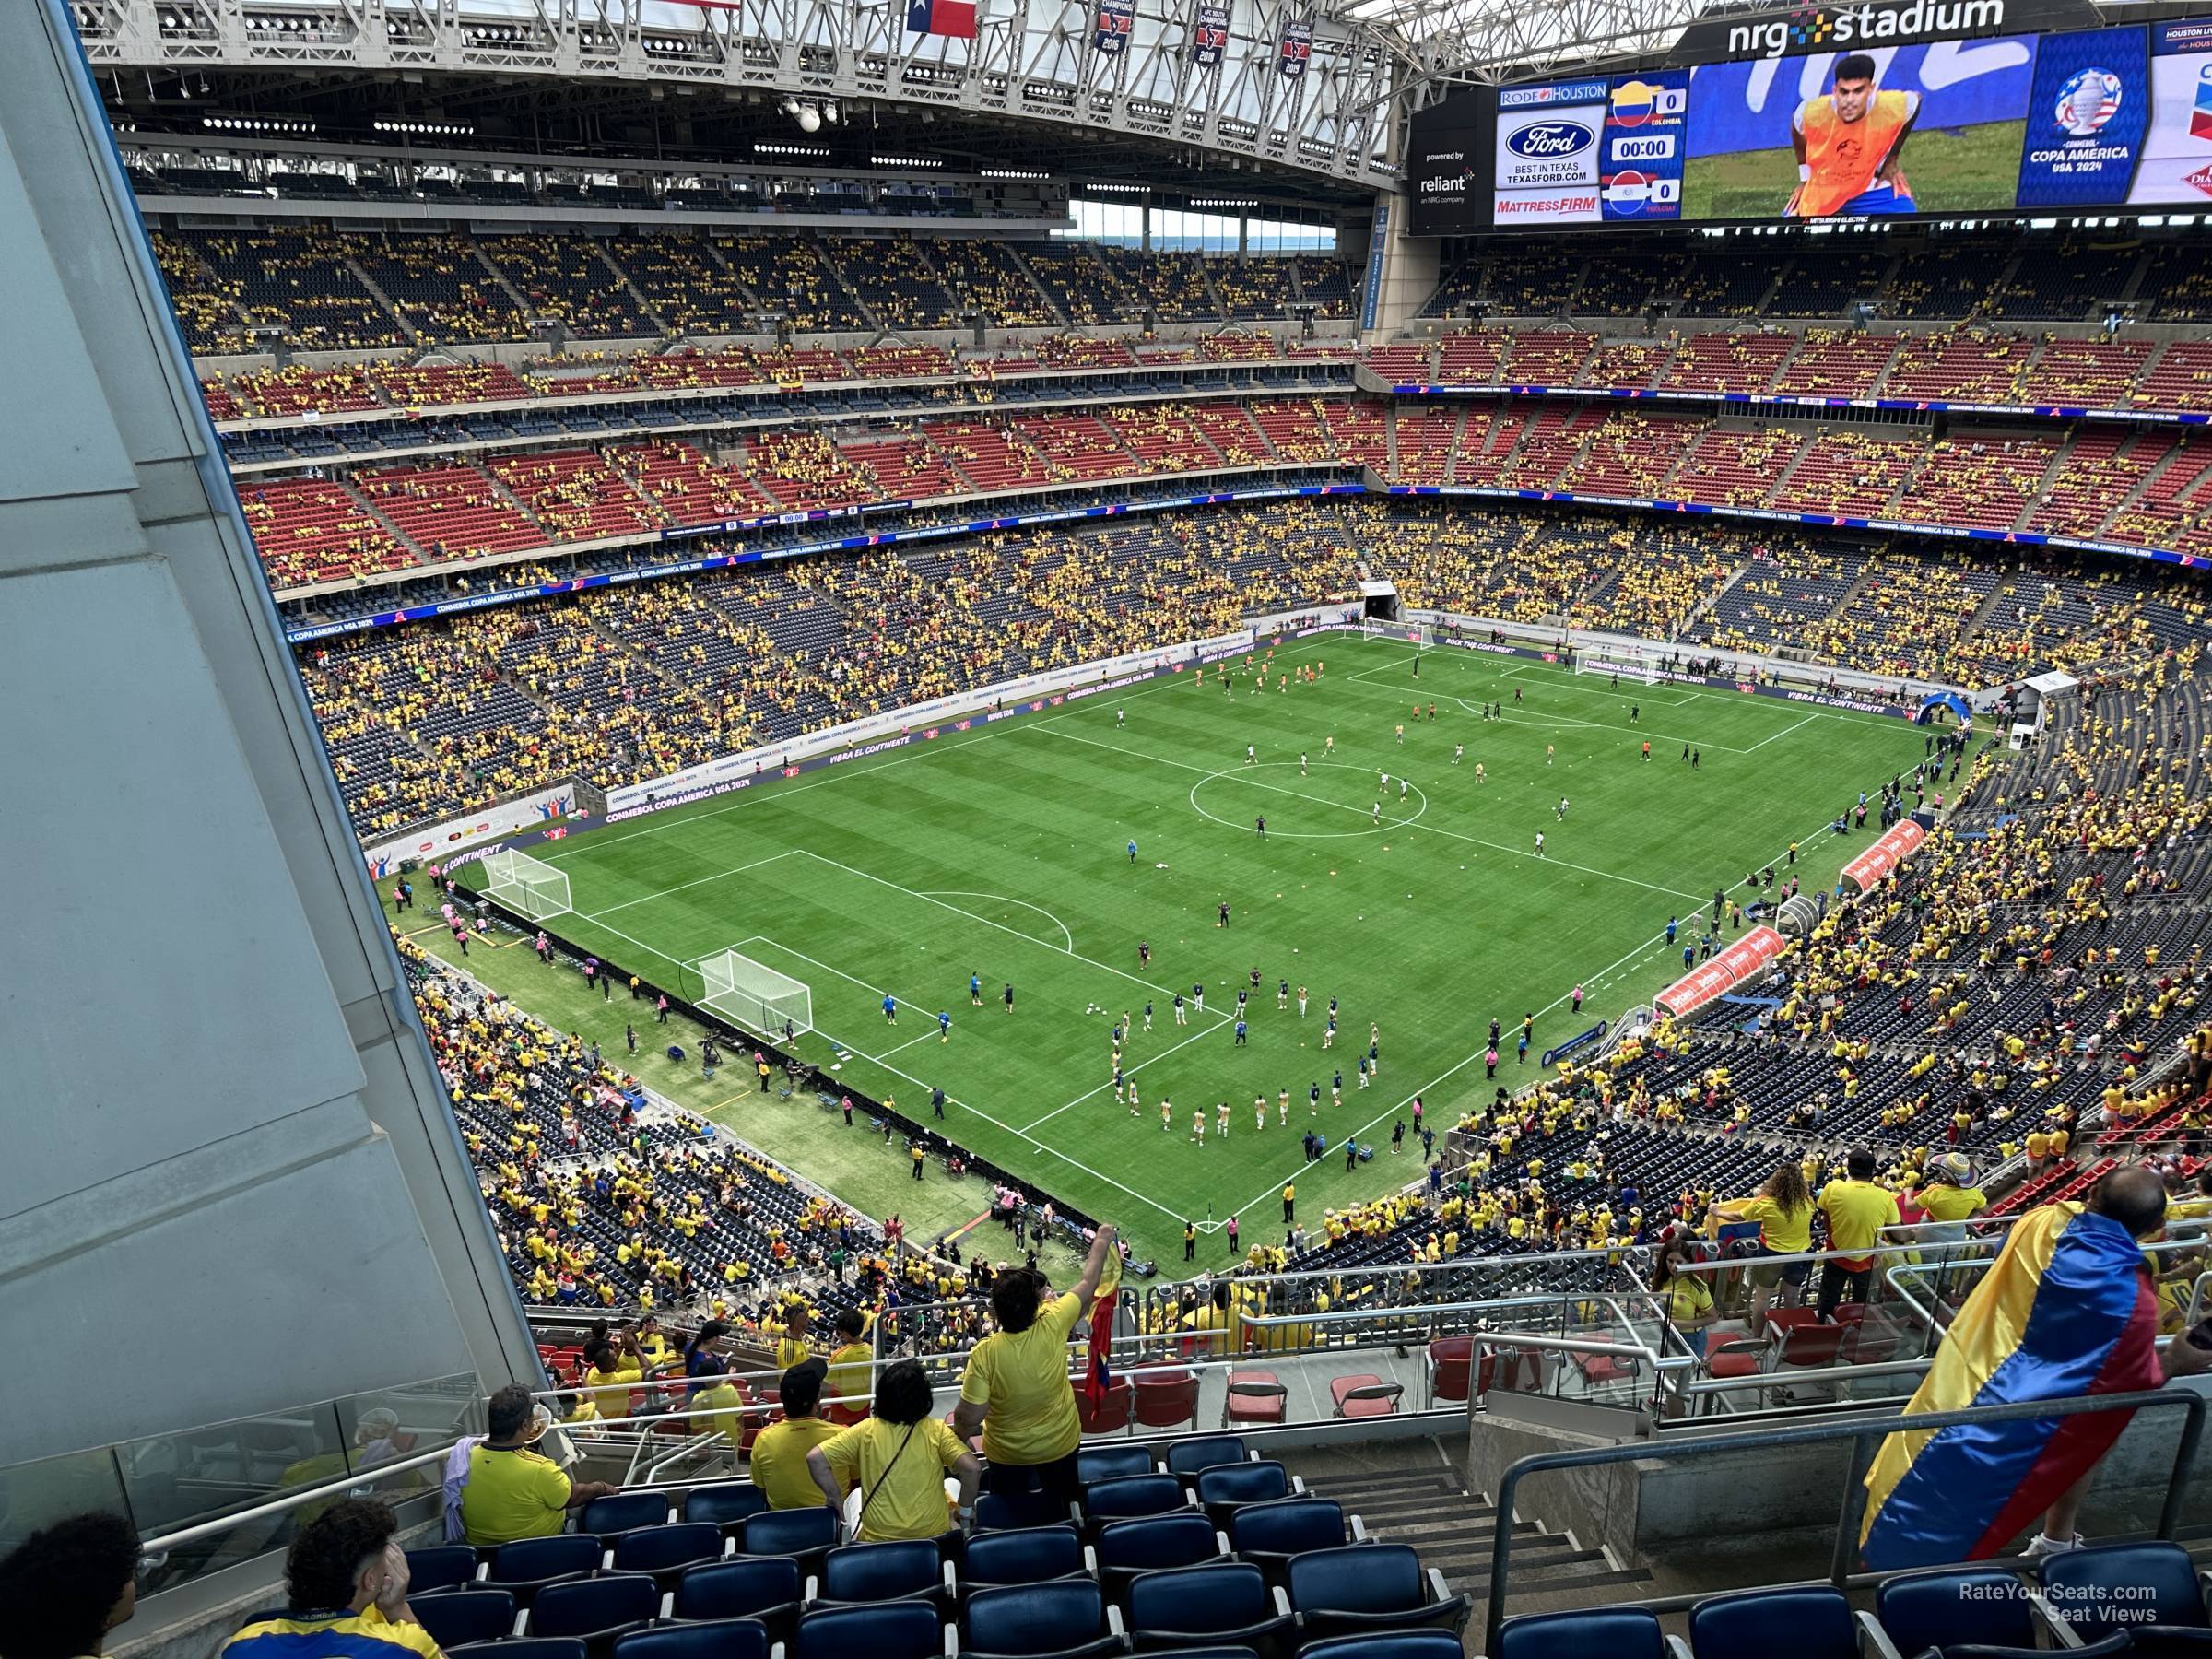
[(1959, 170), (1003, 852)]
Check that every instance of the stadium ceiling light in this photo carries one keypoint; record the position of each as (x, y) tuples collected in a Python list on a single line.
[(1014, 173)]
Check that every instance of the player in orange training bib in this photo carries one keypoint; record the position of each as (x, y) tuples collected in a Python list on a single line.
[(1849, 141)]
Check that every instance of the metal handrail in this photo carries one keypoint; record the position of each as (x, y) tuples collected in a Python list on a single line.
[(1847, 1526), (295, 1499)]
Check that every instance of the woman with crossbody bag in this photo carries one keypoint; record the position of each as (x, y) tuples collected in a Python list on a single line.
[(896, 1458)]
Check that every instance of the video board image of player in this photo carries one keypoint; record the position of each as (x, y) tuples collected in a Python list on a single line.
[(1896, 130)]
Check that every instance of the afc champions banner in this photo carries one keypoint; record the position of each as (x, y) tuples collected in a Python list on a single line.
[(1296, 50), (2088, 112), (1115, 19), (1209, 36)]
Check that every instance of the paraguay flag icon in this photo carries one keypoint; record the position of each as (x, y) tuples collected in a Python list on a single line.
[(2200, 112)]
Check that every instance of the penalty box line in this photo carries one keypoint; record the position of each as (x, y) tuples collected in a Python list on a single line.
[(883, 1064), (1448, 1074)]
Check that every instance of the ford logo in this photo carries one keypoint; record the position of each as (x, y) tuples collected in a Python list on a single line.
[(1550, 140)]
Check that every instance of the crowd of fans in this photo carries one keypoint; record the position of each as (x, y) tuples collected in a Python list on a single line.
[(622, 684)]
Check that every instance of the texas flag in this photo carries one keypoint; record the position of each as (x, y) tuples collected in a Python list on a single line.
[(953, 17)]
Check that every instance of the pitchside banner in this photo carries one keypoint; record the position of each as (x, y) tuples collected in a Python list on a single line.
[(1115, 19), (1297, 48), (1209, 36)]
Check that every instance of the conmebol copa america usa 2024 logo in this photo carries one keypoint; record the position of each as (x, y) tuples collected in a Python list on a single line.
[(1550, 140), (2089, 99)]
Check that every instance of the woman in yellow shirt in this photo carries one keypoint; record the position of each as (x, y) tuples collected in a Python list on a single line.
[(897, 1460), (1016, 1388), (1783, 1209), (849, 1368)]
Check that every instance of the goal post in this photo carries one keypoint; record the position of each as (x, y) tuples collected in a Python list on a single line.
[(528, 886), (753, 997)]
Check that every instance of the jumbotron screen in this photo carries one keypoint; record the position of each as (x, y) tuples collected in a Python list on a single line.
[(2115, 117)]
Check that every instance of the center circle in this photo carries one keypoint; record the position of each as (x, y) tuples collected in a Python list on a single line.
[(1275, 789)]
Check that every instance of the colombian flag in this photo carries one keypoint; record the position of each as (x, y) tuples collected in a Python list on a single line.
[(1097, 1379), (2066, 1310)]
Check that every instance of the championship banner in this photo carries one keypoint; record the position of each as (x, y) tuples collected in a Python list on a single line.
[(1209, 36), (2088, 112), (1742, 962), (1115, 19), (1874, 867), (1297, 48)]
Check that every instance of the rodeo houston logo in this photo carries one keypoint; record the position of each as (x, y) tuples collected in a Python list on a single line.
[(1840, 28)]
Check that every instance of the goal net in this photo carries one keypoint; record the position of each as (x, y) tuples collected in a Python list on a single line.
[(1412, 633), (1628, 667), (753, 996), (527, 885)]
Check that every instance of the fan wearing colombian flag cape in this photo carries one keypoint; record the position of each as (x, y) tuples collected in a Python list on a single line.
[(2067, 1310)]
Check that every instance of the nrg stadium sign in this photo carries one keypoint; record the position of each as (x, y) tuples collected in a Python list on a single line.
[(1839, 28)]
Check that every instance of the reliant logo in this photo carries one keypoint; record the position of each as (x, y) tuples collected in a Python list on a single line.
[(1833, 27), (1550, 140)]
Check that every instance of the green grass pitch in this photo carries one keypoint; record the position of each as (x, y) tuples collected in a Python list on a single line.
[(1957, 170), (1002, 851)]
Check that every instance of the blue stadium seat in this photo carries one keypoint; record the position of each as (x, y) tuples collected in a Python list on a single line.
[(1269, 1534), (2113, 1647), (623, 1512), (1035, 1555), (887, 1630), (2113, 1586), (1187, 1459), (1598, 1633), (1108, 1463), (1806, 1624), (1065, 1620), (597, 1609), (1224, 1489), (1392, 1644), (440, 1567), (723, 1638), (806, 1535), (725, 1505), (1151, 1543), (1127, 1496), (460, 1615), (1952, 1609), (665, 1550), (530, 1565), (550, 1647), (1372, 1588), (1193, 1607), (862, 1573), (768, 1589), (1011, 1512)]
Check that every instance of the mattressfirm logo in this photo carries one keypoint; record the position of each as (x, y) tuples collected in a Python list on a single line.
[(1832, 28), (1550, 140)]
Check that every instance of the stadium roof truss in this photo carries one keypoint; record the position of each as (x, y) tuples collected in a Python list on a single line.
[(1032, 60)]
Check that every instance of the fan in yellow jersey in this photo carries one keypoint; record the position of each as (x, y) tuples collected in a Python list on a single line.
[(1848, 142), (345, 1579)]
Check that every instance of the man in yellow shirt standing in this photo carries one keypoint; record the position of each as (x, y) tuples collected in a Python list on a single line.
[(780, 1452), (850, 1365), (1857, 1210), (1015, 1387)]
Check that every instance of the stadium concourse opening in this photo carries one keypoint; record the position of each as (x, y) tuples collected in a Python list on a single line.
[(1125, 904)]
